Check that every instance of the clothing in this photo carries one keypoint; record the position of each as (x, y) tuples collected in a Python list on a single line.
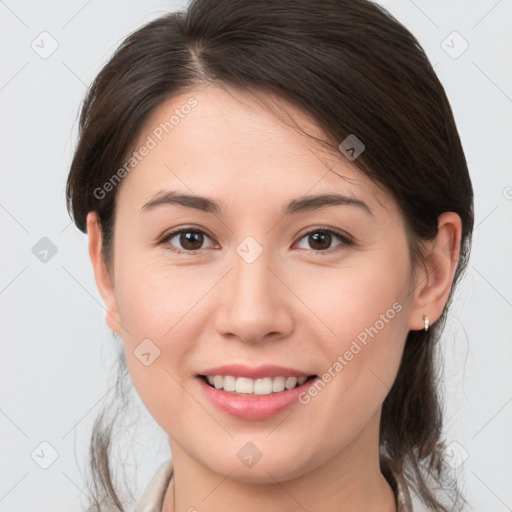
[(153, 496), (399, 486)]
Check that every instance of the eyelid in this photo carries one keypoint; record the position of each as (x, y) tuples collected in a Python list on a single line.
[(346, 239)]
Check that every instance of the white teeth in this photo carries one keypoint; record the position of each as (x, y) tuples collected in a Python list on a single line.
[(229, 383), (244, 385), (278, 384), (263, 386), (290, 383), (218, 381)]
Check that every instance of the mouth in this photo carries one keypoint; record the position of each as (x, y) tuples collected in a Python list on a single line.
[(253, 393), (245, 386)]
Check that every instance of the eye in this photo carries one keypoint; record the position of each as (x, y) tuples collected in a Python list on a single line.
[(321, 239), (191, 240)]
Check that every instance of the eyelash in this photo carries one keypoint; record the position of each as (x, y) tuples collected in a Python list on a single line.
[(346, 241)]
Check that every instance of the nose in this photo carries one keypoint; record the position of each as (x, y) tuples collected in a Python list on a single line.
[(254, 303)]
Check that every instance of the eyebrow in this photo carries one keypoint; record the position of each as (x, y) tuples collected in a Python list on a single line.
[(302, 204)]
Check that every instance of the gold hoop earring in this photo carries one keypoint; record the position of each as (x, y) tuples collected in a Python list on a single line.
[(427, 322)]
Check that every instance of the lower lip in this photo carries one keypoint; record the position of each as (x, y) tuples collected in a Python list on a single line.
[(253, 407)]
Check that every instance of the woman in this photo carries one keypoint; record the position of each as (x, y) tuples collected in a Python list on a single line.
[(278, 209)]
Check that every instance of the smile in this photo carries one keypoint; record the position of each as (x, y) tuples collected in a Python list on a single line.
[(254, 387)]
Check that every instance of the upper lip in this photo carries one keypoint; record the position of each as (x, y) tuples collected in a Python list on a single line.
[(254, 372)]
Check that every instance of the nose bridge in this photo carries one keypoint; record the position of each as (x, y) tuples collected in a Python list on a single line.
[(252, 280), (254, 304)]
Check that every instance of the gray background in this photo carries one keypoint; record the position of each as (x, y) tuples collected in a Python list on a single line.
[(56, 363)]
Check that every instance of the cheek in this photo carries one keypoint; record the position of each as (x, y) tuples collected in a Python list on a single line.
[(358, 301), (362, 358), (154, 298), (153, 358), (364, 308), (154, 309)]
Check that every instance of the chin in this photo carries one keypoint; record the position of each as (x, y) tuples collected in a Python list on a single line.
[(271, 466)]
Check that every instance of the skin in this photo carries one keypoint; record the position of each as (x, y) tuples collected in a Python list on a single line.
[(292, 306)]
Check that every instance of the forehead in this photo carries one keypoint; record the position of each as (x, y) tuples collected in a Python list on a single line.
[(210, 140)]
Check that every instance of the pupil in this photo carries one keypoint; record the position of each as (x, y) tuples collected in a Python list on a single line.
[(187, 239), (320, 236)]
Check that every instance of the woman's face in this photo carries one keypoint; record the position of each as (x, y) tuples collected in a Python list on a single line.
[(267, 281)]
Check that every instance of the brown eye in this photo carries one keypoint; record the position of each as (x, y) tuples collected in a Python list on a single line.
[(186, 240), (191, 240), (320, 240)]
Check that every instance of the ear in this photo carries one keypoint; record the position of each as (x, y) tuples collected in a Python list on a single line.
[(433, 283), (102, 276)]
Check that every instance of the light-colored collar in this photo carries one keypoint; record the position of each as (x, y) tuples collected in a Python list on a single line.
[(153, 496), (399, 485)]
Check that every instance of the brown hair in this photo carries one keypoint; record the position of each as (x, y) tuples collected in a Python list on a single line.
[(354, 69)]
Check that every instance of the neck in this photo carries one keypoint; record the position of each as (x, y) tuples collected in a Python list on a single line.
[(349, 480)]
